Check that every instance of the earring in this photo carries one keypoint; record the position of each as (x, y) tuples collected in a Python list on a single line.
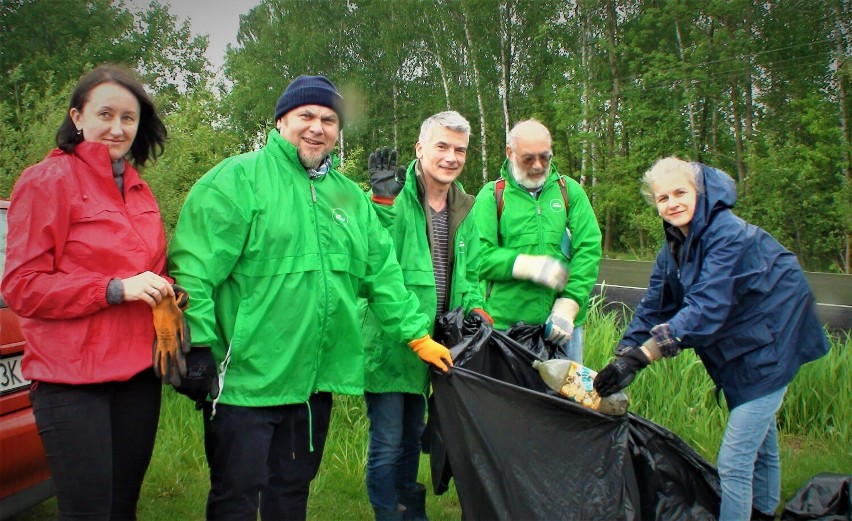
[(79, 132)]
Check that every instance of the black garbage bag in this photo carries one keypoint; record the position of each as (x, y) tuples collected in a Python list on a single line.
[(532, 338), (826, 497), (516, 450)]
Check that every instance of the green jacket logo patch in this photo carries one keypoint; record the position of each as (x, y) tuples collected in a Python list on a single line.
[(556, 205), (340, 217)]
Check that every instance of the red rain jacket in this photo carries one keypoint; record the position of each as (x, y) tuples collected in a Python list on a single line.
[(70, 232)]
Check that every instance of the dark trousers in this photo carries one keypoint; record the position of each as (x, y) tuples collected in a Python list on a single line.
[(264, 457), (98, 439)]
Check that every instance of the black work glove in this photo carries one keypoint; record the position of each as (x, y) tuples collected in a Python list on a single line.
[(620, 372), (386, 179), (201, 378), (181, 297)]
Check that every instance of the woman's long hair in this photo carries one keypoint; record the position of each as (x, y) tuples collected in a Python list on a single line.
[(151, 135)]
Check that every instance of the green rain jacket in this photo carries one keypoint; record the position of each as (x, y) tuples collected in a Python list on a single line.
[(392, 366), (274, 262), (535, 226)]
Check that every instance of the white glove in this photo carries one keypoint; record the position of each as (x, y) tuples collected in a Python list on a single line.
[(540, 269), (560, 324)]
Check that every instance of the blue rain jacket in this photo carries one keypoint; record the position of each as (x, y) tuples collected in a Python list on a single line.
[(734, 294)]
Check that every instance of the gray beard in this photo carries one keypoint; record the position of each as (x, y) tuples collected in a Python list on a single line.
[(310, 161), (525, 181)]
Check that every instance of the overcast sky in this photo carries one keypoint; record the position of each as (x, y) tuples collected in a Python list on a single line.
[(220, 19)]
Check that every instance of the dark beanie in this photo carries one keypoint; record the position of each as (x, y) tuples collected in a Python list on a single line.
[(310, 90)]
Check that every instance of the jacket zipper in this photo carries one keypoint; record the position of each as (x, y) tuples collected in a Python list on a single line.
[(322, 267)]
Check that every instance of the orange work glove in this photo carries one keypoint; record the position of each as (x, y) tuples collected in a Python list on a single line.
[(482, 314), (171, 337), (432, 352)]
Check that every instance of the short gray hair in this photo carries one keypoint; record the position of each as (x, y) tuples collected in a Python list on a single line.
[(668, 165), (449, 119), (512, 136)]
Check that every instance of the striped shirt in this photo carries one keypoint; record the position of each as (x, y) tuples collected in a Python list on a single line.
[(440, 255)]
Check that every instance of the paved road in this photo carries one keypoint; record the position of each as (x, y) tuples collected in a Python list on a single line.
[(624, 283)]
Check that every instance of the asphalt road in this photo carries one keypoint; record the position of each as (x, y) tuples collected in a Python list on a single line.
[(624, 283)]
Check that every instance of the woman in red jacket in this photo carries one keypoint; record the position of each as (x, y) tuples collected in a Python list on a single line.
[(85, 264)]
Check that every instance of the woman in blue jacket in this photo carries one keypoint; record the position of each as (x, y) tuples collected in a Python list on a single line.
[(730, 291)]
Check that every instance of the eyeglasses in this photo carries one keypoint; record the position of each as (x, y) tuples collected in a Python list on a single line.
[(530, 159)]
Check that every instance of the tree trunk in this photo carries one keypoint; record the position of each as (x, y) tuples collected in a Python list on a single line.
[(615, 93), (687, 94), (749, 82), (506, 53), (738, 134), (586, 165), (607, 245), (843, 43), (440, 62), (471, 50)]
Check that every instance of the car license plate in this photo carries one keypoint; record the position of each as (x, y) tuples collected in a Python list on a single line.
[(11, 378)]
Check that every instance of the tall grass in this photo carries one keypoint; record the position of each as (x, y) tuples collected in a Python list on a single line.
[(815, 425)]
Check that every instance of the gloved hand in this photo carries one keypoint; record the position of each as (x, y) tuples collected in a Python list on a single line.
[(620, 372), (201, 378), (667, 345), (386, 179), (171, 337), (540, 269), (560, 324), (481, 315), (432, 352)]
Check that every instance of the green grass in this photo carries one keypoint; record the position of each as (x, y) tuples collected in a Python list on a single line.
[(815, 423)]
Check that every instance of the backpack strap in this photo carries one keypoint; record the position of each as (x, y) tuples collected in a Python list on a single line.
[(499, 186), (564, 187)]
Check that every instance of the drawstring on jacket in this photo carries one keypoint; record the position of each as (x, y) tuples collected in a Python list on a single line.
[(223, 368)]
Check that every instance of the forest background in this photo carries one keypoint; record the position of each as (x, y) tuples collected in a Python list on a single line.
[(758, 89)]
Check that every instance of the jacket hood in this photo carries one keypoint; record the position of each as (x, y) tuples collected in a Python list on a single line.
[(717, 191)]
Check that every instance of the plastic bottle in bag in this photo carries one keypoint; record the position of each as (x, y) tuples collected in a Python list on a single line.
[(574, 381)]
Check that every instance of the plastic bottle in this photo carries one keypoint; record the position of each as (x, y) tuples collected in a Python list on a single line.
[(574, 381)]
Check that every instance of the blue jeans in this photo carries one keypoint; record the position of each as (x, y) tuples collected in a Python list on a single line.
[(748, 463), (573, 350), (264, 457), (396, 425)]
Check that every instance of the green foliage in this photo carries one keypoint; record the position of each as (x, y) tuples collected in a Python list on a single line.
[(755, 89), (28, 129), (197, 142)]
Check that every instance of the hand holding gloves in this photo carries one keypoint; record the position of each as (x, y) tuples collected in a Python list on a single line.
[(171, 337), (201, 378), (560, 323), (386, 179), (432, 352), (540, 269), (191, 370)]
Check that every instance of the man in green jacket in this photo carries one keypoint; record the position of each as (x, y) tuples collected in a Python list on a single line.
[(429, 217), (532, 244), (275, 246)]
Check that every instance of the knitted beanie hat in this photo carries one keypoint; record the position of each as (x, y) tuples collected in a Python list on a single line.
[(310, 90)]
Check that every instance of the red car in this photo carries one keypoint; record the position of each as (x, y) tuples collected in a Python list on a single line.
[(24, 476)]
